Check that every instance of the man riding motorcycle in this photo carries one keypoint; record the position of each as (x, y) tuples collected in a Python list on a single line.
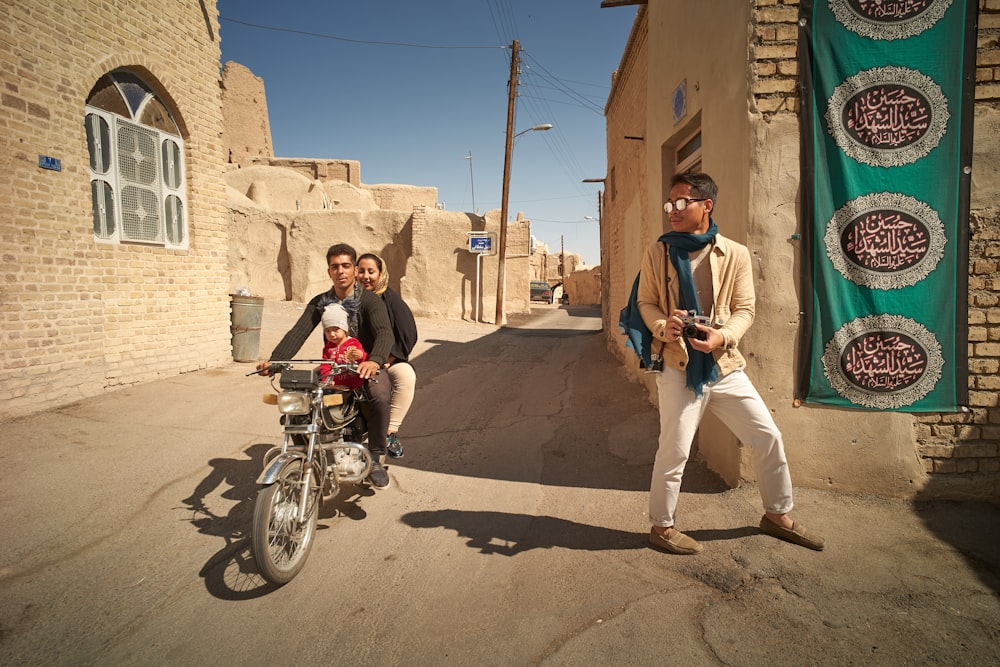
[(369, 323)]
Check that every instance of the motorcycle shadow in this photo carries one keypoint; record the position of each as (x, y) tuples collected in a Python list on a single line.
[(231, 573), (346, 504)]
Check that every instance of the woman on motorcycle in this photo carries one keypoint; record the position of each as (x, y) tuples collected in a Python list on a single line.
[(374, 277)]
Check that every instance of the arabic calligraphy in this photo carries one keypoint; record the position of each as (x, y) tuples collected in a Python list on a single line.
[(890, 10), (887, 20), (888, 115), (883, 361), (885, 241)]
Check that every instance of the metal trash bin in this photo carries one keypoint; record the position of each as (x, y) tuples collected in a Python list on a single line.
[(247, 315)]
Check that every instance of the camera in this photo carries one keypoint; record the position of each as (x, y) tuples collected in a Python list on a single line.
[(656, 364), (690, 331)]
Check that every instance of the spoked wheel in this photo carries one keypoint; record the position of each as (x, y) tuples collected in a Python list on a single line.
[(281, 542)]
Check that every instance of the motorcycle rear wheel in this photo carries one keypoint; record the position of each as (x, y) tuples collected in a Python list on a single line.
[(279, 541)]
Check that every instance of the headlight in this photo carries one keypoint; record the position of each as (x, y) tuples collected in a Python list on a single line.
[(294, 403)]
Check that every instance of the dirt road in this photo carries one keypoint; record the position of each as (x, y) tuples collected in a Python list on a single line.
[(513, 533)]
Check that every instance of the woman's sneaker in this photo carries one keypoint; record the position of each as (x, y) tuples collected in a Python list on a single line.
[(394, 446)]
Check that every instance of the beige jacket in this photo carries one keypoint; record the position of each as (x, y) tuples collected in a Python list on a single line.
[(731, 313)]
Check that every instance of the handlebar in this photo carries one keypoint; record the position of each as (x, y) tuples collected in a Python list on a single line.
[(276, 367)]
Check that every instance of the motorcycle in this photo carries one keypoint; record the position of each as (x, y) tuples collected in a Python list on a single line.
[(325, 446)]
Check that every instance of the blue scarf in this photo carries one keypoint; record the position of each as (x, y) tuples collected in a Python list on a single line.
[(701, 369), (351, 304), (640, 339)]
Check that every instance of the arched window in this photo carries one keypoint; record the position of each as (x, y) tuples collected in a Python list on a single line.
[(136, 164)]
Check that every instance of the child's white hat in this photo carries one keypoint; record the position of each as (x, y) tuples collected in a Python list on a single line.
[(334, 315)]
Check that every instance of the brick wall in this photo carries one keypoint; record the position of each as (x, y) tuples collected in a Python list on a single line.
[(625, 188), (951, 446), (79, 317)]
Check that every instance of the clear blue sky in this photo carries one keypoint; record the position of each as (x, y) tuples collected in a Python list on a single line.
[(340, 84)]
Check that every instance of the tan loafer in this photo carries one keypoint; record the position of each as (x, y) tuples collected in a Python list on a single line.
[(677, 542), (797, 534)]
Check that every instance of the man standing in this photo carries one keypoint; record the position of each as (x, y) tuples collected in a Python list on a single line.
[(368, 320), (695, 270)]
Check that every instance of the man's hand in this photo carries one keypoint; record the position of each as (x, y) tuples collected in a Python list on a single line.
[(670, 329), (262, 366), (367, 369), (713, 339)]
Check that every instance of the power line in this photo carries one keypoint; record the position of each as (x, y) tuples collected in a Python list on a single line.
[(354, 41)]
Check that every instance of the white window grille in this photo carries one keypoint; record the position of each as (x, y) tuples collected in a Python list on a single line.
[(136, 168)]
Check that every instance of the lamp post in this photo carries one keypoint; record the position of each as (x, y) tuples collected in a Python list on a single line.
[(472, 180), (502, 250)]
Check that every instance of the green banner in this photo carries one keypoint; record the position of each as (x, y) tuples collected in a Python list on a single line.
[(886, 169)]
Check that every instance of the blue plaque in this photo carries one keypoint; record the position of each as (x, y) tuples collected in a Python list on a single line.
[(680, 101), (47, 162)]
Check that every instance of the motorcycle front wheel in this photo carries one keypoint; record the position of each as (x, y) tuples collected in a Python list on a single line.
[(280, 542)]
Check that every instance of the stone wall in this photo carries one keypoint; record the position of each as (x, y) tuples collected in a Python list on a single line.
[(81, 317)]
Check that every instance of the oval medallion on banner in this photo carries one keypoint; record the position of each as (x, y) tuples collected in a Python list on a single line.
[(887, 116), (883, 361), (888, 19), (885, 240)]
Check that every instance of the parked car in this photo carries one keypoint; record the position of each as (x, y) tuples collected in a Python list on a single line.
[(541, 291)]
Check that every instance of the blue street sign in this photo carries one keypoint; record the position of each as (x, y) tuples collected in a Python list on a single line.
[(480, 244), (49, 162)]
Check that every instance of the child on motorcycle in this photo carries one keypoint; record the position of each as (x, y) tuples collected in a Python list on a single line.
[(339, 347)]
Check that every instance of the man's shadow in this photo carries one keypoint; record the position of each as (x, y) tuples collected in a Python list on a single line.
[(231, 573)]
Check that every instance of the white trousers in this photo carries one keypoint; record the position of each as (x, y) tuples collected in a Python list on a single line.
[(404, 383), (735, 401)]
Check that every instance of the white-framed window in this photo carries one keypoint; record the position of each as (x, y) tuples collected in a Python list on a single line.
[(687, 157), (137, 180)]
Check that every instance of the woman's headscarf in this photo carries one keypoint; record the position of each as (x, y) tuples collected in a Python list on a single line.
[(383, 272)]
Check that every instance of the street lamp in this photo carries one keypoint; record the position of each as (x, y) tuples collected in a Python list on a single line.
[(502, 250), (472, 180), (537, 128)]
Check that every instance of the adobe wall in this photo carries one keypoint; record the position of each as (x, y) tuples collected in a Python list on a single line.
[(584, 287), (281, 222), (546, 265), (625, 225), (246, 130), (932, 455), (943, 455), (81, 318)]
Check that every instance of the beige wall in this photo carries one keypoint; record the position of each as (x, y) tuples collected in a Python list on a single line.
[(625, 226), (79, 317), (281, 223), (751, 146), (584, 287), (244, 109)]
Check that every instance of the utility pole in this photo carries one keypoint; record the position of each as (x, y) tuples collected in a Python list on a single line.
[(502, 250), (562, 257)]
